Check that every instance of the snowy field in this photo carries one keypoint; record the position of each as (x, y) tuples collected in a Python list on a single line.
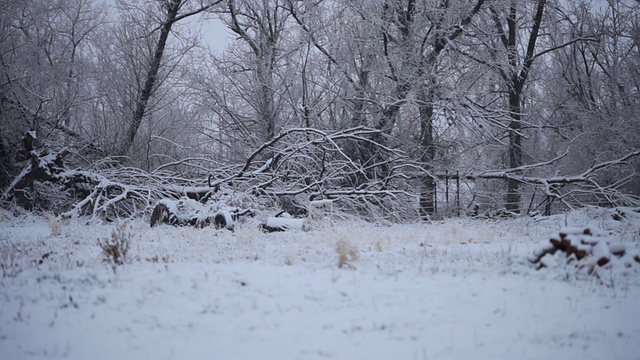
[(456, 289)]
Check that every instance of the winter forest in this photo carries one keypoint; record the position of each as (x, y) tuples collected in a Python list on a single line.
[(400, 110), (320, 179)]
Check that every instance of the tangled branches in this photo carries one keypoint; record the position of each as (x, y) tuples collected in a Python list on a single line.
[(320, 165), (302, 164)]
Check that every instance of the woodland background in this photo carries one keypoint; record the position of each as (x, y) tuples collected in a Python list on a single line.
[(399, 109)]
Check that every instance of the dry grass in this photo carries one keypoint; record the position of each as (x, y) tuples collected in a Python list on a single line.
[(115, 249), (347, 254), (10, 260)]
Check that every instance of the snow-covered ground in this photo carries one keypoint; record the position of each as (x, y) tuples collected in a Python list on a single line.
[(457, 289)]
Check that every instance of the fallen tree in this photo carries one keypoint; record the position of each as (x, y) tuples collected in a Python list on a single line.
[(105, 190), (295, 168), (562, 188), (301, 164), (602, 184)]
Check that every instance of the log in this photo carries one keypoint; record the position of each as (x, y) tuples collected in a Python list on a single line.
[(274, 224), (160, 215)]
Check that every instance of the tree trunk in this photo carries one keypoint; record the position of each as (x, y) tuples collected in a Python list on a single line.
[(515, 83), (426, 101), (266, 108), (515, 148), (427, 200), (172, 7)]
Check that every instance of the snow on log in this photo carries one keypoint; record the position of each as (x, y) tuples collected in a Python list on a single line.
[(283, 224), (321, 203), (188, 212), (225, 219), (538, 254)]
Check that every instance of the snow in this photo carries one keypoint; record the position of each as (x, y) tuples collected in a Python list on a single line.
[(455, 289), (263, 168), (186, 189), (601, 251), (617, 248), (323, 202), (284, 223), (185, 209)]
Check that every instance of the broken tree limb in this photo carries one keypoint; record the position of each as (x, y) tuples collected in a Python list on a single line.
[(584, 177), (356, 134)]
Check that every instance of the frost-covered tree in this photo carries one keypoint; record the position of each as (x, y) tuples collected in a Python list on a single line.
[(518, 37), (46, 66), (171, 12), (371, 101), (593, 93), (391, 56)]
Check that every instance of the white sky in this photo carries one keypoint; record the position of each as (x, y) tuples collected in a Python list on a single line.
[(214, 32)]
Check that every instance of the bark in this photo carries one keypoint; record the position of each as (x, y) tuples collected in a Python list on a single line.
[(515, 149)]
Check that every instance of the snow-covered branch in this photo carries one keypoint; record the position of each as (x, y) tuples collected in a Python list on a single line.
[(586, 181)]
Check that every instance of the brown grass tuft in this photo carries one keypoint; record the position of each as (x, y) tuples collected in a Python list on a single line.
[(116, 248), (347, 254)]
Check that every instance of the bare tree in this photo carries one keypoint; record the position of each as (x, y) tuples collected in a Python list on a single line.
[(515, 77), (261, 25), (369, 102), (410, 38), (594, 92), (518, 57), (172, 14), (46, 65)]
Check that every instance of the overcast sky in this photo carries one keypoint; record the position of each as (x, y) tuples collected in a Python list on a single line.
[(214, 32)]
